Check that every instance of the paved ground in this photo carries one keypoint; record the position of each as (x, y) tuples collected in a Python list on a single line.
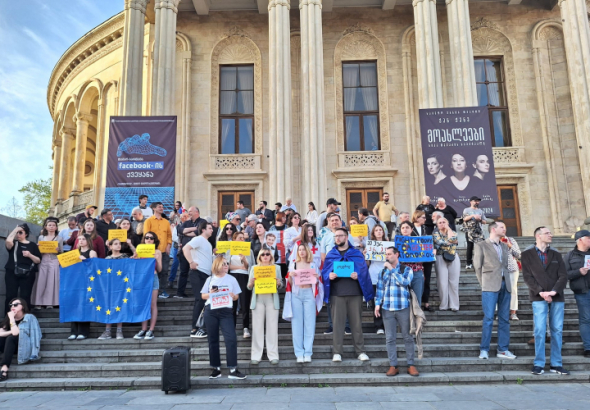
[(559, 396)]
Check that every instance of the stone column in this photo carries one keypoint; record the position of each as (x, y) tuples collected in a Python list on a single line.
[(463, 70), (82, 121), (132, 63), (576, 30), (65, 174), (56, 173), (100, 146), (427, 54), (280, 99), (312, 78), (164, 57)]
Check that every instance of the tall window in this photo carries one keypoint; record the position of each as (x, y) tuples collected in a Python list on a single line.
[(491, 93), (361, 107), (236, 109)]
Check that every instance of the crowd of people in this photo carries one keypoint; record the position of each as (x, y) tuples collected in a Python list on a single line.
[(397, 293)]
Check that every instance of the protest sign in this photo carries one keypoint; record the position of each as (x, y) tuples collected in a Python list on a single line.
[(239, 248), (262, 286), (343, 269), (223, 246), (120, 234), (146, 250), (48, 246), (69, 258), (265, 272), (221, 300), (376, 250), (359, 230), (587, 261), (222, 223), (415, 248), (304, 277)]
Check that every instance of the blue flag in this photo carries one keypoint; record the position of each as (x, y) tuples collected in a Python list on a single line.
[(415, 248), (106, 291)]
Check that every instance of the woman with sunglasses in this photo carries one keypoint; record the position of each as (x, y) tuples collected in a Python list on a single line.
[(148, 239), (227, 232), (89, 228), (20, 267), (265, 307), (238, 268), (258, 239), (46, 288), (80, 330), (221, 318), (19, 333)]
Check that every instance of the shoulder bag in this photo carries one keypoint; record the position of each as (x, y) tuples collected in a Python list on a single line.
[(21, 272)]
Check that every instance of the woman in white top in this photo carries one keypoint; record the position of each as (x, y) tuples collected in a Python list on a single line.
[(221, 317), (312, 214), (375, 268), (309, 238), (238, 268), (293, 232), (303, 305)]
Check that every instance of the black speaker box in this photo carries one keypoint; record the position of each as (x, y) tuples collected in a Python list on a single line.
[(176, 369)]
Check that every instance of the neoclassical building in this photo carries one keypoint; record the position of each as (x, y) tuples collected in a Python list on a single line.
[(320, 98)]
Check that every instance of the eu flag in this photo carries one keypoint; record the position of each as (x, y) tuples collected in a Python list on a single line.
[(106, 291)]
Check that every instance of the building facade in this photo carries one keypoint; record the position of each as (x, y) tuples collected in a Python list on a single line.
[(314, 99)]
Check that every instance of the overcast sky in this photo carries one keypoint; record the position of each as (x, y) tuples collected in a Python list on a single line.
[(34, 34)]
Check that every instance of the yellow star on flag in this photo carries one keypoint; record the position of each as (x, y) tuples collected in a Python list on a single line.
[(98, 272), (98, 308), (126, 279), (92, 299), (118, 308), (119, 273), (91, 278), (89, 289), (128, 290), (108, 312), (109, 270), (124, 300)]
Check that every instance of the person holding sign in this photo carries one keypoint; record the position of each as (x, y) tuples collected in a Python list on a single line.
[(238, 268), (129, 240), (89, 228), (80, 330), (20, 267), (448, 265), (345, 294), (576, 264), (375, 268), (265, 307), (46, 287), (418, 282), (218, 292), (419, 228)]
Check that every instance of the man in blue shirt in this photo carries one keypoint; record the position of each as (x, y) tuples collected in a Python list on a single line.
[(393, 302)]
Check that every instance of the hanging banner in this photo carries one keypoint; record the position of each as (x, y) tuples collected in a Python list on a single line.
[(141, 161), (458, 158)]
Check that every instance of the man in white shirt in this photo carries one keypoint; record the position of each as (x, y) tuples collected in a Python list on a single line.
[(288, 205), (66, 234), (145, 210), (199, 254)]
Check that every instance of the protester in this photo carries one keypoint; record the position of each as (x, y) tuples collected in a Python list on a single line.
[(491, 268), (279, 229), (371, 221), (266, 216), (358, 241), (46, 288), (19, 334), (66, 233), (513, 257), (545, 274), (278, 207), (137, 219), (331, 206), (257, 240), (242, 211), (394, 297), (375, 269), (161, 227), (293, 233), (89, 228), (419, 219), (473, 217), (265, 309), (435, 216), (87, 214), (448, 265), (428, 209), (448, 212), (174, 250), (303, 304), (345, 294), (143, 208), (384, 210), (116, 253), (238, 268), (308, 237), (187, 231), (288, 205), (235, 220), (221, 318), (21, 265), (80, 330), (250, 226), (105, 223), (580, 283), (149, 238), (176, 213), (199, 254), (418, 282), (312, 214), (227, 233), (128, 246)]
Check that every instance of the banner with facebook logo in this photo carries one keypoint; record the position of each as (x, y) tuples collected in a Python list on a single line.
[(141, 161)]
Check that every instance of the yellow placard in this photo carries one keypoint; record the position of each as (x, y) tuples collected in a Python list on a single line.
[(359, 230), (120, 234), (223, 246), (240, 248), (146, 250), (265, 272), (262, 286), (69, 258), (48, 246), (222, 223)]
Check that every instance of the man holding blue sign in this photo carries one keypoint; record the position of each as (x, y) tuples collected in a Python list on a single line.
[(346, 280)]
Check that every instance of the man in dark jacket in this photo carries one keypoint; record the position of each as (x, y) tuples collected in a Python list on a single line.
[(577, 273), (545, 274), (428, 209), (105, 223)]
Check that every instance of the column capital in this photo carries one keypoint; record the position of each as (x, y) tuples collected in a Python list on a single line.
[(139, 5), (167, 4), (303, 3), (81, 117), (274, 3), (416, 2), (67, 132)]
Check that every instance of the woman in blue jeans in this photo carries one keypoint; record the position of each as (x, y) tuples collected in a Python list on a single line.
[(417, 284), (303, 305)]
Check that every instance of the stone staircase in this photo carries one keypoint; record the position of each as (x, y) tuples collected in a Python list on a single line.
[(451, 346)]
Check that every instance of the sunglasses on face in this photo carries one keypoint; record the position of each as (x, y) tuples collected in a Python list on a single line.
[(20, 233), (15, 304), (265, 254), (149, 238), (228, 229)]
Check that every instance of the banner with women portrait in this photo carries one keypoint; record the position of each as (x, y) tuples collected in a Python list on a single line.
[(458, 158)]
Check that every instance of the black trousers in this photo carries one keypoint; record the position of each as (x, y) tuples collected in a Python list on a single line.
[(184, 267), (80, 328), (390, 229), (216, 319), (377, 321), (427, 274), (469, 252), (244, 298), (198, 280), (284, 269), (163, 274), (16, 285), (8, 347)]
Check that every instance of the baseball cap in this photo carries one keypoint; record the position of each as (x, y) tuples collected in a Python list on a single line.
[(474, 198), (332, 201), (581, 234), (91, 206)]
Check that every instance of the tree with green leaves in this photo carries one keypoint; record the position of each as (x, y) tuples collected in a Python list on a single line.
[(36, 200)]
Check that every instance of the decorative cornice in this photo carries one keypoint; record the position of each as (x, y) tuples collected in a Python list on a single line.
[(356, 28), (236, 31), (483, 22)]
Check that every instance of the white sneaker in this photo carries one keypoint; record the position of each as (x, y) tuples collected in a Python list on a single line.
[(469, 267), (380, 332), (307, 359), (246, 333), (81, 337), (506, 355), (72, 337), (484, 355), (337, 358), (363, 357), (300, 359)]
